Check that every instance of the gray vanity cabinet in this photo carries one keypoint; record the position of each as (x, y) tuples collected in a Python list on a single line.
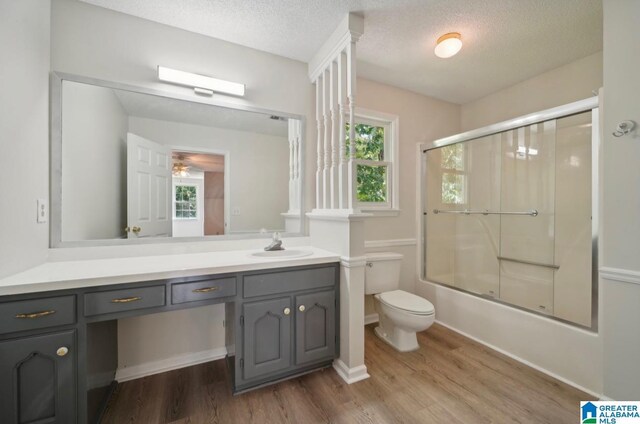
[(287, 324), (267, 337), (38, 379), (315, 326)]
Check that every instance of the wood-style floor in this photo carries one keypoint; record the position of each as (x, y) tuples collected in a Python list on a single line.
[(451, 379)]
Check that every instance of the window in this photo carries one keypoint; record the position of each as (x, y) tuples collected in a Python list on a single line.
[(374, 160), (453, 174), (186, 204)]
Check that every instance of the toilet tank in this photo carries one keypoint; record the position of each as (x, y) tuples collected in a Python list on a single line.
[(382, 272)]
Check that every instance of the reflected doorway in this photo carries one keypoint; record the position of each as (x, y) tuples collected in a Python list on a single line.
[(198, 181)]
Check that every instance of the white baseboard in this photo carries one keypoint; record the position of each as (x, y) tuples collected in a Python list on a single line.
[(524, 361), (371, 318), (350, 375), (173, 363)]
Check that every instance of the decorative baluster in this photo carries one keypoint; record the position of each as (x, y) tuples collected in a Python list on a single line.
[(319, 202), (334, 78), (326, 181), (291, 135), (343, 176), (296, 168)]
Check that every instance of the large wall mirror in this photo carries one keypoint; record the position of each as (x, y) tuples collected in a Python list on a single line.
[(131, 163)]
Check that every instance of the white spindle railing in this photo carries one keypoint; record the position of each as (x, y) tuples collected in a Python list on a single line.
[(334, 74)]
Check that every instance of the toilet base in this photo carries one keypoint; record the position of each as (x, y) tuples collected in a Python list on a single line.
[(400, 340)]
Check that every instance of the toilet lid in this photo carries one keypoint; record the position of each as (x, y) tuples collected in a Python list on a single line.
[(407, 301)]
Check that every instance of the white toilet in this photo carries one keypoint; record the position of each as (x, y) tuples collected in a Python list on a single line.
[(402, 314)]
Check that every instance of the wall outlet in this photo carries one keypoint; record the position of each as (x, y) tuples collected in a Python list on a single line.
[(43, 211), (235, 211)]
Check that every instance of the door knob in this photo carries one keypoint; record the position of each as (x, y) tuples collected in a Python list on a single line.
[(287, 311), (62, 351), (136, 230), (301, 308)]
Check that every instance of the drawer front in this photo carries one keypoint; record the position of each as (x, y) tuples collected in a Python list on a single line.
[(37, 313), (108, 302), (203, 290), (284, 281)]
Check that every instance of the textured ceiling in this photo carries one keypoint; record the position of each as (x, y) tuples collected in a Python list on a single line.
[(505, 41)]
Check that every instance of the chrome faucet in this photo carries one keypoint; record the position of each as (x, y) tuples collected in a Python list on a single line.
[(276, 243)]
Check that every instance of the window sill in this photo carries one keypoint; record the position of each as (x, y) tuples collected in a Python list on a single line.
[(382, 212)]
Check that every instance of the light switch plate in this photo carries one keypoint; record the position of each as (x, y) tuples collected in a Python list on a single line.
[(43, 211)]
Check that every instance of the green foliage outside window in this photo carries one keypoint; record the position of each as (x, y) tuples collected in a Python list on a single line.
[(186, 202), (371, 180), (453, 182)]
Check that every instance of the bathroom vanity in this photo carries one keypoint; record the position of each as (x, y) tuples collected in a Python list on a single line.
[(58, 339)]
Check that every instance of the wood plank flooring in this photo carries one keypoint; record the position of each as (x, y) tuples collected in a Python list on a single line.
[(450, 379)]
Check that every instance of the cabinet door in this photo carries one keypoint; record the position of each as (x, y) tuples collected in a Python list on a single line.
[(315, 327), (37, 380), (266, 337)]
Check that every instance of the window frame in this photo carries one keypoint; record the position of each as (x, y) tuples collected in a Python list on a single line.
[(174, 203), (391, 124)]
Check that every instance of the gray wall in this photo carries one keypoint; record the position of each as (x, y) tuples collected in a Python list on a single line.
[(24, 131)]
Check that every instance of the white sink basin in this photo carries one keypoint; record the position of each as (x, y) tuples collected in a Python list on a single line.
[(282, 253)]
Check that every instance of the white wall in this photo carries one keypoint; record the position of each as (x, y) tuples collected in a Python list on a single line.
[(566, 84), (257, 165), (96, 42), (24, 132), (94, 163), (543, 343), (621, 207), (421, 118)]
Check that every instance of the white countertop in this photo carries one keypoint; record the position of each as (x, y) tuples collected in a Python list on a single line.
[(100, 272)]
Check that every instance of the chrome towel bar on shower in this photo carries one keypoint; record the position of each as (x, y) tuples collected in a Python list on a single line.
[(532, 212)]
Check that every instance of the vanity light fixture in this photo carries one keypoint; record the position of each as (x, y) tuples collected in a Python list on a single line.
[(448, 45), (201, 84)]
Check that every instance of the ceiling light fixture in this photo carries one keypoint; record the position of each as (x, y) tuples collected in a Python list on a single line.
[(201, 84), (448, 45), (179, 169)]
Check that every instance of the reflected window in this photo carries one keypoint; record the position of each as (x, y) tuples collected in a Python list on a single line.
[(453, 174), (186, 203)]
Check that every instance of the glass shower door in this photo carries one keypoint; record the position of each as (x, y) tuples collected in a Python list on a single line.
[(527, 242), (508, 216)]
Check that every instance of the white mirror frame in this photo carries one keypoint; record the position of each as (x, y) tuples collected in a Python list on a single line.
[(55, 230)]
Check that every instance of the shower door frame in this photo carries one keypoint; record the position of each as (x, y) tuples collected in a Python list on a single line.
[(586, 105)]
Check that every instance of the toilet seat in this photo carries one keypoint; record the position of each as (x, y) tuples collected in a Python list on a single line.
[(400, 299)]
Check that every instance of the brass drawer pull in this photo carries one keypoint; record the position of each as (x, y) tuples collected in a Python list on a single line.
[(206, 290), (126, 299), (36, 314)]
